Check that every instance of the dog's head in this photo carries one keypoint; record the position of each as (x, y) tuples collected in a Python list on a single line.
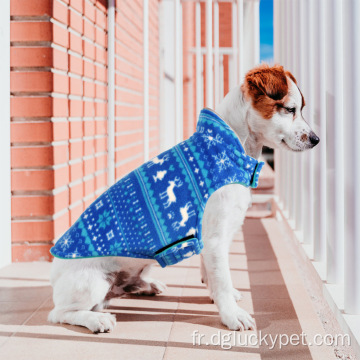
[(276, 109)]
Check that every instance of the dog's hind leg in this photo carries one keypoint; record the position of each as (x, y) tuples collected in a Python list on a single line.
[(97, 322), (150, 286), (140, 283), (77, 292)]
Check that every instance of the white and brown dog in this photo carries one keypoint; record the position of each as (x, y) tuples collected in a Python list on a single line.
[(265, 110)]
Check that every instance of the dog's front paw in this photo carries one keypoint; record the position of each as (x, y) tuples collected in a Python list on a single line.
[(238, 319), (237, 295), (101, 322)]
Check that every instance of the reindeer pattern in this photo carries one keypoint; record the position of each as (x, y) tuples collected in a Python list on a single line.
[(185, 214), (157, 161), (178, 213), (169, 194)]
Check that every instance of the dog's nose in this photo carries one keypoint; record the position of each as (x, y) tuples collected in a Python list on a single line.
[(314, 140)]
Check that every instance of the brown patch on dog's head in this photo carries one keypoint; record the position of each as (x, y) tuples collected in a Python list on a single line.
[(267, 87)]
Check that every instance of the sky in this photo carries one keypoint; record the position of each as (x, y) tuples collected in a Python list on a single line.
[(266, 31)]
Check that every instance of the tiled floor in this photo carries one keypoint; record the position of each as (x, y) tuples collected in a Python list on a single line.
[(161, 327)]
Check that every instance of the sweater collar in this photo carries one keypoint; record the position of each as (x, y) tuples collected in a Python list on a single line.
[(209, 120), (208, 117)]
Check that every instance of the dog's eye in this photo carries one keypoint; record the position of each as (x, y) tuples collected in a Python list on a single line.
[(291, 110)]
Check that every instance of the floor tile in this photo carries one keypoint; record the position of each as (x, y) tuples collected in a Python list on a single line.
[(164, 326)]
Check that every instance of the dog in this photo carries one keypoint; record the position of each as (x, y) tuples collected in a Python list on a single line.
[(265, 110)]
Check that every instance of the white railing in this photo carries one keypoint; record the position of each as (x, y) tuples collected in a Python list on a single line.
[(243, 54), (319, 191)]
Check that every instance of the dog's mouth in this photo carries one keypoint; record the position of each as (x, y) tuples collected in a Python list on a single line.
[(284, 143), (286, 146)]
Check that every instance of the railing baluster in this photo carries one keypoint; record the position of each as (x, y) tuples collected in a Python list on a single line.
[(301, 210), (209, 57), (309, 113), (146, 78), (233, 63), (295, 70), (178, 72), (352, 155), (287, 64), (290, 66), (198, 58), (240, 38), (216, 53), (111, 93), (277, 49), (335, 144), (320, 129), (282, 61), (221, 77), (306, 114)]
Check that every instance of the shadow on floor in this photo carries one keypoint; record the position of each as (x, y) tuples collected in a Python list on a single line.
[(273, 308)]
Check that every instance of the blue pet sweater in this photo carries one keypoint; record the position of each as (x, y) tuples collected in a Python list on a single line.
[(155, 212)]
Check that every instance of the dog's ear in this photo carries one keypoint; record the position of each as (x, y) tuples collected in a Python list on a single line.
[(266, 86), (269, 81)]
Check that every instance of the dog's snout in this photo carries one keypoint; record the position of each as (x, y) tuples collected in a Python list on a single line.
[(314, 139)]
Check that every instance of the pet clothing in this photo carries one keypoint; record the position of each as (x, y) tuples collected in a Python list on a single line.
[(156, 211)]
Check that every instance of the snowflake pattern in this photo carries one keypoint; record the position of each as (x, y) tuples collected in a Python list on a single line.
[(210, 140), (222, 161), (66, 242), (115, 248), (104, 219), (231, 180), (73, 255)]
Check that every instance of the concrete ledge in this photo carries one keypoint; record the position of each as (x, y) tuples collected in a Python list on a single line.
[(349, 323), (333, 294)]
